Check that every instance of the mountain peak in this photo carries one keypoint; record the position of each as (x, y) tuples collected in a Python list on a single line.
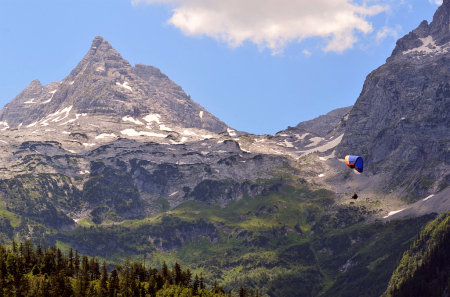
[(97, 41), (426, 37), (100, 58), (104, 86), (439, 27)]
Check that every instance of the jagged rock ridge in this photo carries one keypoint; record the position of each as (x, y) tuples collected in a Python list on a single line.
[(324, 123), (104, 83)]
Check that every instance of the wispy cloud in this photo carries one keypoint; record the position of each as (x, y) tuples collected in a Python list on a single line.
[(306, 53), (387, 31), (438, 2), (273, 24)]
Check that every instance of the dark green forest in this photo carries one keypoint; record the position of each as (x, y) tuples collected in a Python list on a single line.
[(424, 269), (28, 270)]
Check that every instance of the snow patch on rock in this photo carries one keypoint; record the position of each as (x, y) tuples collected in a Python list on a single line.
[(286, 143), (301, 137), (152, 118), (393, 212), (231, 132), (131, 119), (186, 132), (53, 94), (428, 47), (5, 124), (31, 125), (331, 144), (132, 132), (315, 141), (164, 128), (30, 101), (124, 85), (428, 197), (104, 135)]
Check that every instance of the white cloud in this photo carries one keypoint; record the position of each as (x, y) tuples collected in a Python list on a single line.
[(438, 2), (306, 53), (387, 31), (271, 23)]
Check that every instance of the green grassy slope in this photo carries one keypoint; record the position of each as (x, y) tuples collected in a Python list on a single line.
[(424, 269), (290, 240)]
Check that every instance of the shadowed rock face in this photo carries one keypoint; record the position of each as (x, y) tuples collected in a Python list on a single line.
[(400, 122), (104, 83)]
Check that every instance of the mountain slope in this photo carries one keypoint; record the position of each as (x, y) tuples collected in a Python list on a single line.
[(114, 142), (324, 123), (424, 269), (400, 121)]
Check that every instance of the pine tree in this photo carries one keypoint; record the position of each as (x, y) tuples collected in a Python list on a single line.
[(77, 262), (188, 279), (82, 283), (178, 277), (70, 264), (39, 250), (165, 270), (195, 285), (113, 283), (103, 290), (202, 285), (59, 263), (151, 286), (242, 291), (14, 246)]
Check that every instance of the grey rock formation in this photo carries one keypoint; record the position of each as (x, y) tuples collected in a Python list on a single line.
[(400, 122), (104, 83), (324, 123)]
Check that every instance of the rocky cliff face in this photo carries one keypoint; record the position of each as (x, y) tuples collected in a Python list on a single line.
[(400, 122)]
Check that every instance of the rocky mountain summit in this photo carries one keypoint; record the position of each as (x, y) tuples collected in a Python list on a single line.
[(400, 121), (105, 84)]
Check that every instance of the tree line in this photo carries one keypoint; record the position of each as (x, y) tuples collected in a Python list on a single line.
[(29, 270), (429, 274)]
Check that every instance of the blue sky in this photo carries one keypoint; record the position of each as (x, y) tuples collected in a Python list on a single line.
[(256, 66)]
